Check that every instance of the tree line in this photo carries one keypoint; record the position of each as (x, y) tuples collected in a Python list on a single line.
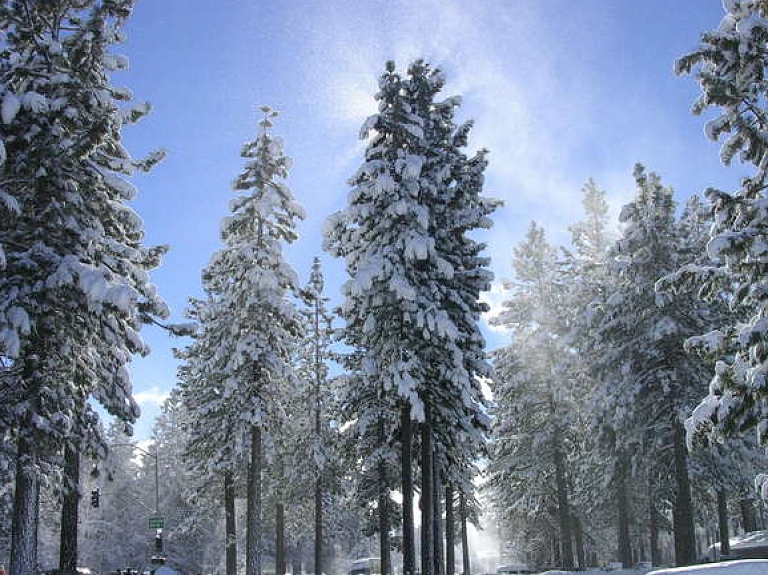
[(613, 338)]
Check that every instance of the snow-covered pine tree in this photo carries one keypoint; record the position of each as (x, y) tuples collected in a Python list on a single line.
[(645, 377), (370, 417), (250, 283), (459, 420), (213, 455), (540, 400), (729, 65), (305, 444), (411, 305), (320, 439), (75, 290), (584, 268), (383, 235)]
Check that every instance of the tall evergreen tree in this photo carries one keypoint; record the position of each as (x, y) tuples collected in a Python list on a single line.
[(412, 303), (313, 370), (250, 283), (74, 291), (647, 381), (540, 398), (729, 65), (384, 237), (213, 456)]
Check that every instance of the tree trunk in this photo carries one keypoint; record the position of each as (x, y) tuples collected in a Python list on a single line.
[(450, 551), (280, 538), (437, 511), (685, 542), (25, 510), (318, 526), (622, 500), (722, 521), (406, 470), (748, 517), (318, 438), (384, 545), (253, 531), (230, 525), (562, 503), (69, 510), (426, 500), (467, 568), (579, 536), (654, 524), (383, 508)]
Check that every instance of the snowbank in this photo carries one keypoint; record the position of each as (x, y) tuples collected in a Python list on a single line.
[(743, 567)]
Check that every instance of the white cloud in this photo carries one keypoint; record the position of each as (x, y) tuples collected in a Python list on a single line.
[(153, 395)]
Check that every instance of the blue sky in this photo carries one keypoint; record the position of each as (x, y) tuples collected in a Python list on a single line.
[(560, 90)]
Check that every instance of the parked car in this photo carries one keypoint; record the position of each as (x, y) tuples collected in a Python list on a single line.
[(365, 566), (513, 569)]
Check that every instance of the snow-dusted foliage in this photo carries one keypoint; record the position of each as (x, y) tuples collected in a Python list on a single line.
[(647, 383), (249, 323), (314, 465), (240, 365), (729, 65), (212, 447), (75, 289), (411, 303), (533, 396)]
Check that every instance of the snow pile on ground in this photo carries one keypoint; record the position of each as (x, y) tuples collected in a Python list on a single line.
[(743, 567), (747, 540)]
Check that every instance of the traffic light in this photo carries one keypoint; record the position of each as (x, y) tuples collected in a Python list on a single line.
[(95, 497), (159, 542)]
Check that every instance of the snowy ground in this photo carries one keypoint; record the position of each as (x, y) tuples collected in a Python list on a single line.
[(744, 567)]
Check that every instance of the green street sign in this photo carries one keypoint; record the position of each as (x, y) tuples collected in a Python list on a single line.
[(156, 522)]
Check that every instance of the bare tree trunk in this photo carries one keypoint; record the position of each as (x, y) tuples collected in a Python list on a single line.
[(579, 537), (722, 520), (450, 551), (748, 517), (426, 500), (69, 510), (654, 524), (383, 505), (280, 538), (318, 437), (562, 502), (685, 541), (622, 500), (406, 432), (437, 511), (253, 532), (464, 535), (318, 526), (384, 545), (230, 525), (25, 510)]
